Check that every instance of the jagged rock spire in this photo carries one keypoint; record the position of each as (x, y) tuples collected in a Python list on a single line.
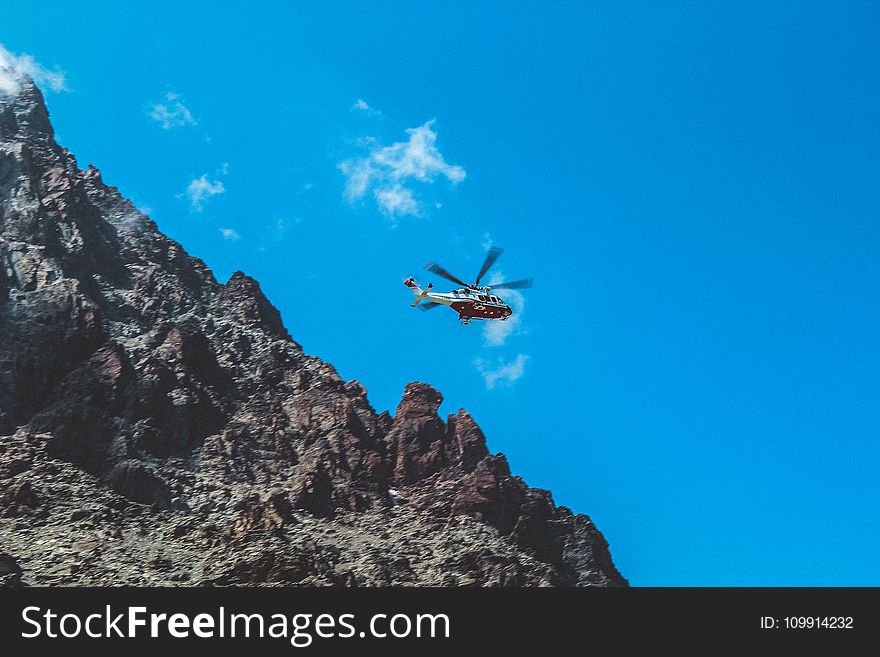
[(23, 113)]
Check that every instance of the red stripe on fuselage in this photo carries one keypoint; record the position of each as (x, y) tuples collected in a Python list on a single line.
[(482, 310)]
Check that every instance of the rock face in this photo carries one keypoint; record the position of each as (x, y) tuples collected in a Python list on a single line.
[(160, 427)]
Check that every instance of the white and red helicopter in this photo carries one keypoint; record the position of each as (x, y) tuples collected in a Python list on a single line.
[(471, 301)]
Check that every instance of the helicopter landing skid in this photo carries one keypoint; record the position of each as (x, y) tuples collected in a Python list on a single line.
[(464, 320)]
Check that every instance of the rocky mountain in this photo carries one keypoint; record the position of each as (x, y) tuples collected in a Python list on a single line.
[(159, 427)]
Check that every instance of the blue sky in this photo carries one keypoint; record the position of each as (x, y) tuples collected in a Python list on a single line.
[(693, 185)]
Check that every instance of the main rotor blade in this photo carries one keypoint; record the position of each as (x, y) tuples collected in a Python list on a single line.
[(514, 285), (428, 305), (491, 257), (437, 269)]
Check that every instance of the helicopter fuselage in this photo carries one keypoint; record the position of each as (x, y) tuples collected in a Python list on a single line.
[(469, 303)]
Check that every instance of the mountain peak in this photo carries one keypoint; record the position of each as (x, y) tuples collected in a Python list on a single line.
[(419, 398), (23, 112), (243, 294)]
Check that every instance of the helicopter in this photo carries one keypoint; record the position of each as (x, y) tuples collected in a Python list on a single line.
[(471, 301)]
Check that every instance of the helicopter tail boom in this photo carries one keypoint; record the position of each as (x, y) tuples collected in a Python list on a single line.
[(419, 292)]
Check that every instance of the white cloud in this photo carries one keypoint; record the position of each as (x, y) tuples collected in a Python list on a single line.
[(389, 171), (14, 69), (396, 200), (495, 332), (172, 113), (362, 105), (502, 374), (201, 189), (230, 235)]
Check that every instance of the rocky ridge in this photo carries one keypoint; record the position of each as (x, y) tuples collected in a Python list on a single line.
[(159, 427)]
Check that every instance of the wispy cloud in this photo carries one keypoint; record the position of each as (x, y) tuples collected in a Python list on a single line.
[(275, 232), (501, 373), (396, 200), (279, 228), (495, 333), (201, 189), (14, 69), (388, 172), (172, 113), (230, 235), (362, 106)]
